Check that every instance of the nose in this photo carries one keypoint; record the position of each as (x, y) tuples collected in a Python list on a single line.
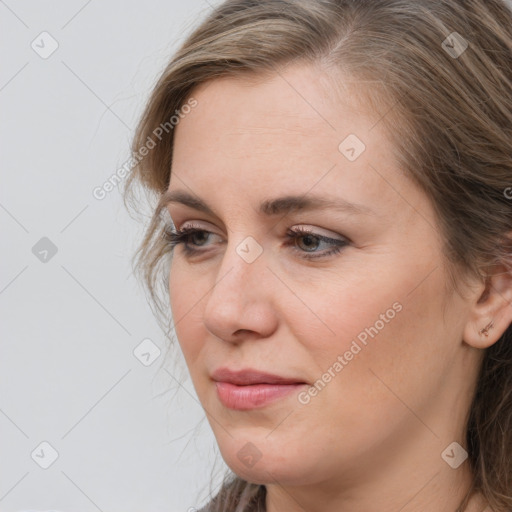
[(240, 304)]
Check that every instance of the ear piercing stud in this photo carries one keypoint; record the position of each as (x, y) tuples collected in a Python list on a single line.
[(485, 330)]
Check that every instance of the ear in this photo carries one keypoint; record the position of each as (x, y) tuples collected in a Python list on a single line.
[(491, 313)]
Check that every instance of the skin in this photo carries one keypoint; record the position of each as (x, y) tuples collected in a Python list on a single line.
[(372, 439)]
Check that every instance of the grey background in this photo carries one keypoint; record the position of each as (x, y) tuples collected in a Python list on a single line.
[(128, 437)]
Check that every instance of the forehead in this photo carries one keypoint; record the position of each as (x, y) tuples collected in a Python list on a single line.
[(299, 102), (281, 131)]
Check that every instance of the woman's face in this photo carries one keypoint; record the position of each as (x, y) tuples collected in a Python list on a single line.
[(362, 318)]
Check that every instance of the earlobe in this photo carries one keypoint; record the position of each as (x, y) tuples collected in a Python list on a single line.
[(491, 313), (485, 330)]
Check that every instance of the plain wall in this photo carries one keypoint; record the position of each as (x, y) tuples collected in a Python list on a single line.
[(128, 437)]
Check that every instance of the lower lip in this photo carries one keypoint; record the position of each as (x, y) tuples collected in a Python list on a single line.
[(252, 396)]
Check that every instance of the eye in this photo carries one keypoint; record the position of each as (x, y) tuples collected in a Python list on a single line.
[(312, 241), (184, 237), (192, 237)]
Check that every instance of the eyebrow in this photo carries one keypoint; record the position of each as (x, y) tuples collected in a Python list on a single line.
[(272, 207)]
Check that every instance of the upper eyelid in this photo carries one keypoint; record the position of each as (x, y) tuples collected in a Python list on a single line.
[(317, 231), (274, 224), (189, 224)]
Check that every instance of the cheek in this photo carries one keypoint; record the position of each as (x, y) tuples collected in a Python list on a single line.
[(186, 313), (344, 313), (388, 344)]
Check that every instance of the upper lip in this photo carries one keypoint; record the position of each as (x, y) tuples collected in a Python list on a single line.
[(251, 376)]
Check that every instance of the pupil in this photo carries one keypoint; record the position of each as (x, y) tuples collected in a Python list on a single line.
[(199, 234), (309, 238)]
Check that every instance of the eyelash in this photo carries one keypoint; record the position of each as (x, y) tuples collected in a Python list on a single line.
[(177, 237)]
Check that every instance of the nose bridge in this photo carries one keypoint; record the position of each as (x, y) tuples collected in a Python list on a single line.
[(238, 284), (243, 261)]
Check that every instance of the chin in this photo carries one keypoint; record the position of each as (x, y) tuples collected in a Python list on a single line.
[(262, 460)]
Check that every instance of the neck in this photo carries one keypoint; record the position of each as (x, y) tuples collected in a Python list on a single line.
[(407, 474), (279, 499)]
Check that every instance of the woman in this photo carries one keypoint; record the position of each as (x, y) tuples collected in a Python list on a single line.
[(332, 184)]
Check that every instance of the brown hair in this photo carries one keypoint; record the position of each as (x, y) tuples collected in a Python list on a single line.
[(448, 114)]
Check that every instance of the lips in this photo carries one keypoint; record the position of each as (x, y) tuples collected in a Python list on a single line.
[(251, 376), (249, 389)]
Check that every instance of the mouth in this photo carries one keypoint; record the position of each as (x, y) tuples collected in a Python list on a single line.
[(250, 389)]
